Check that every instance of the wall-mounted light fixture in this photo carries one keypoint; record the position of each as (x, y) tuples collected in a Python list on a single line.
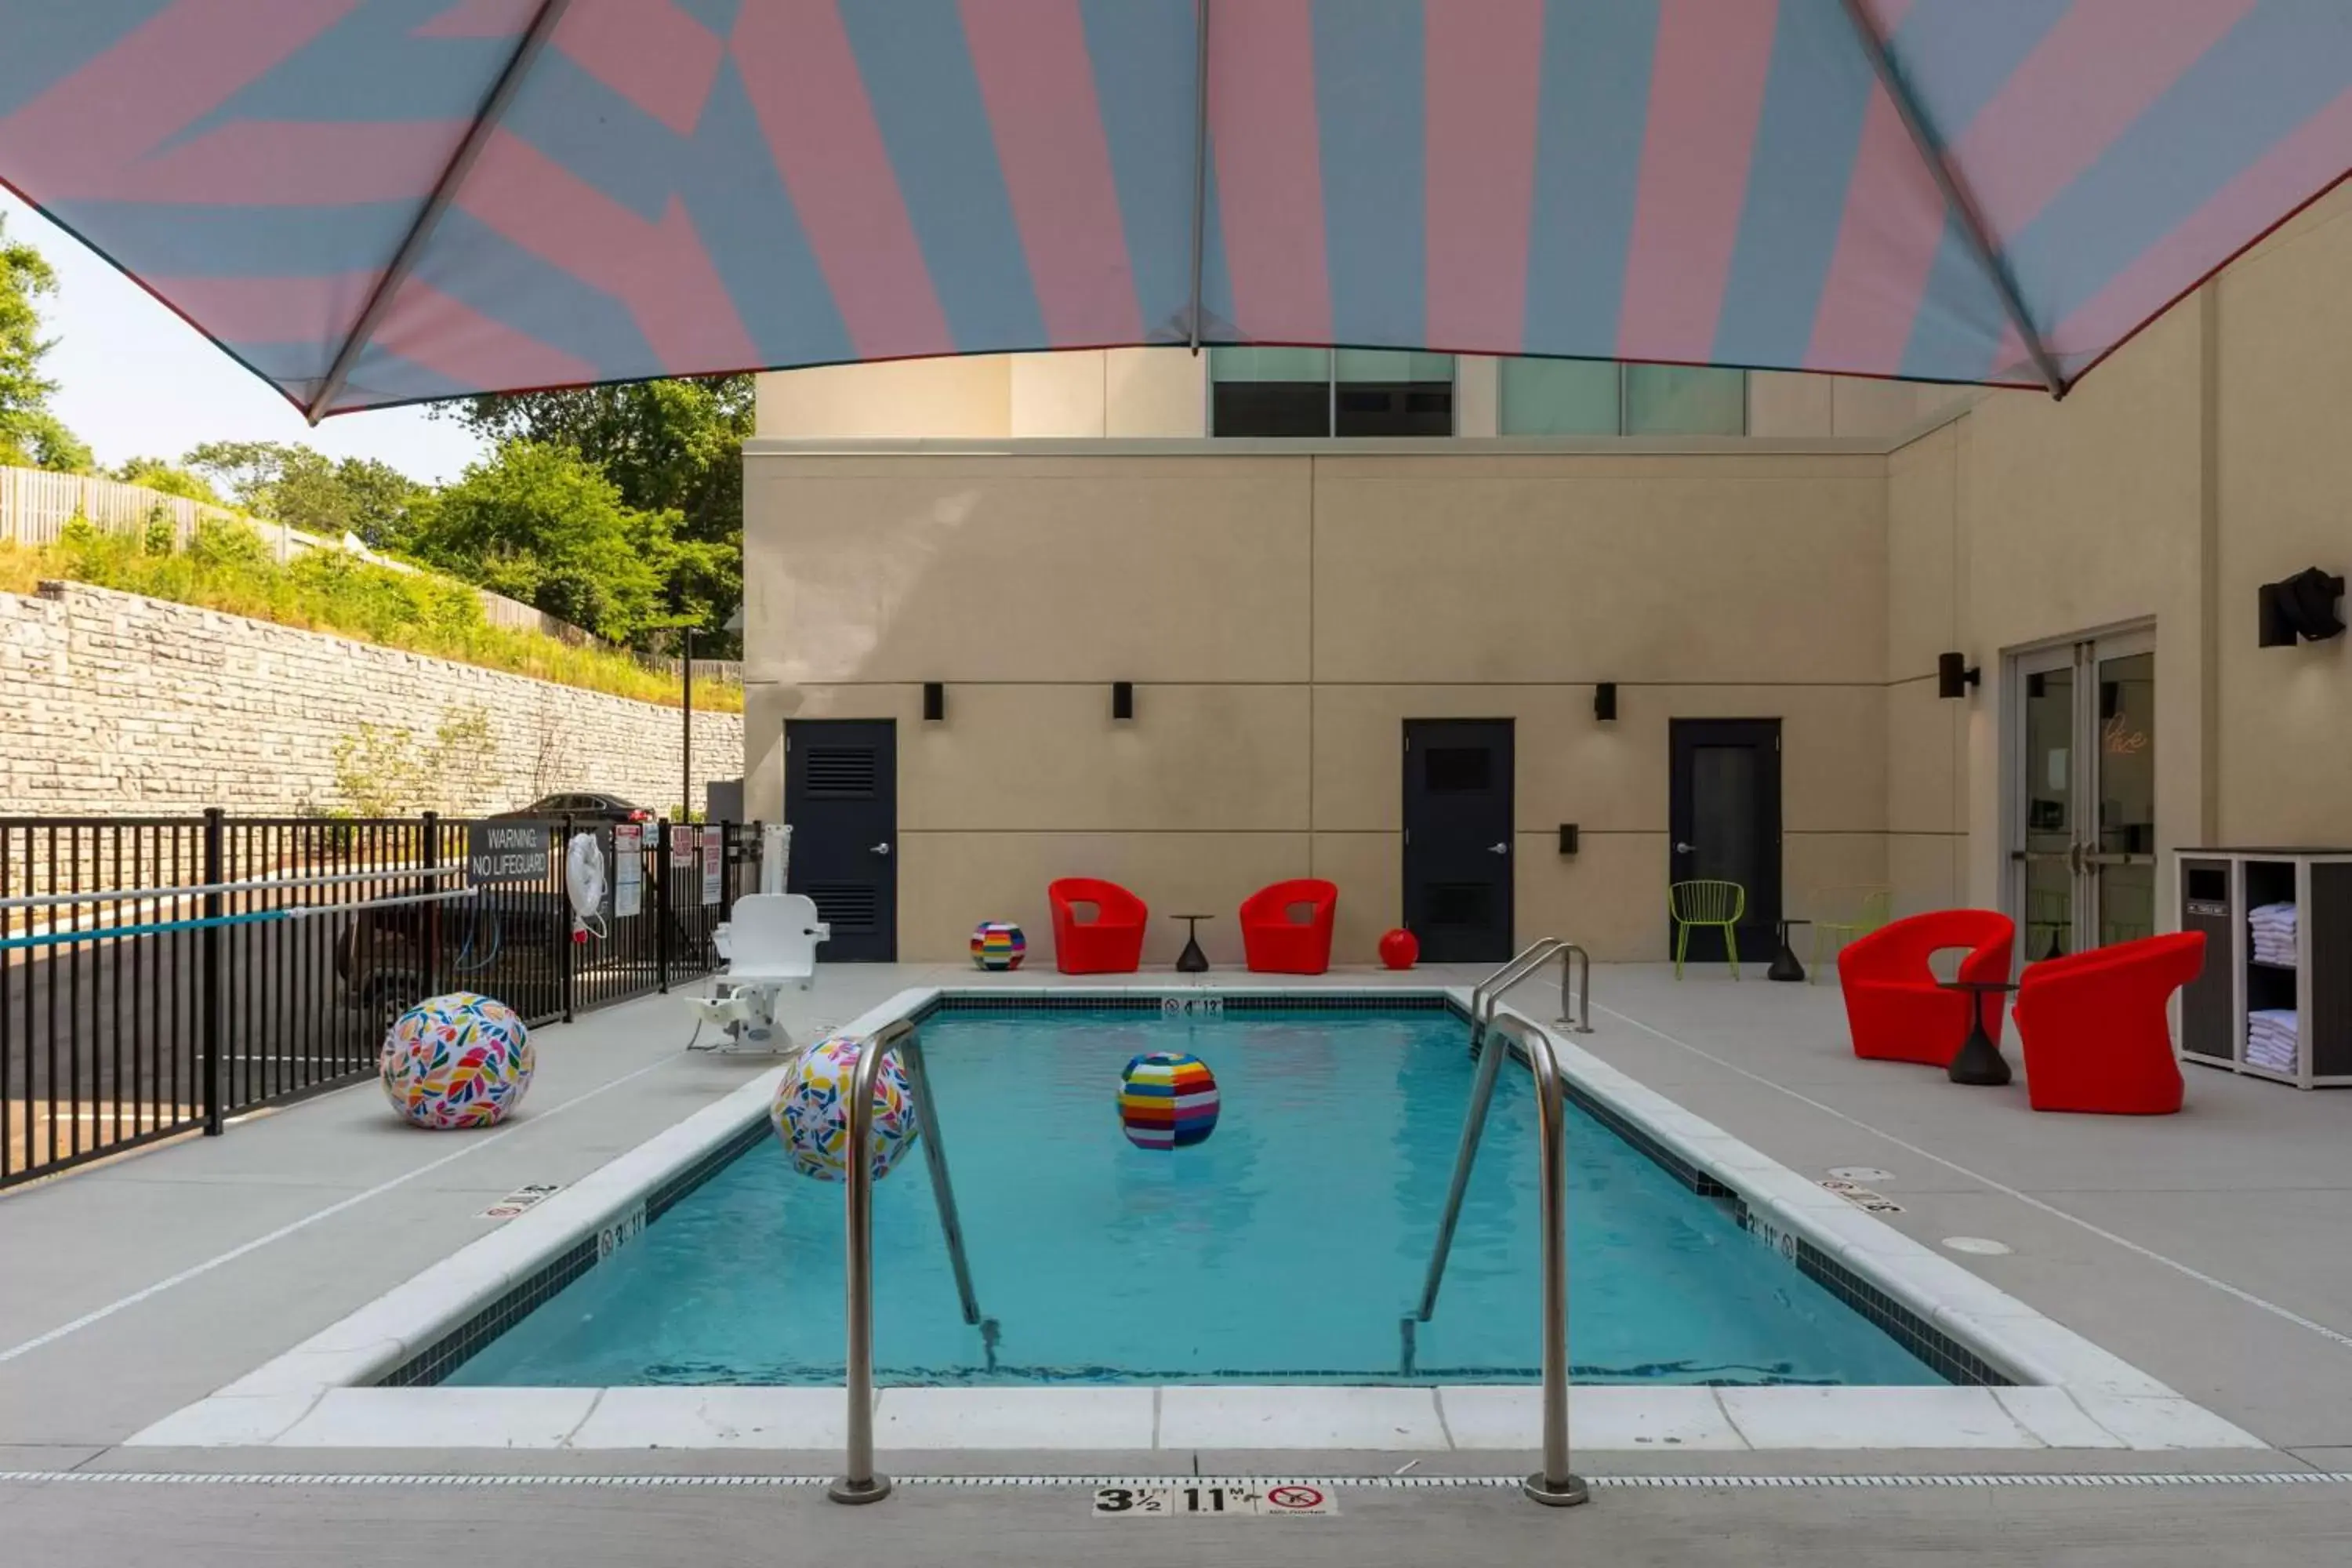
[(2301, 608), (1568, 838), (935, 702), (1604, 702), (1955, 675), (1122, 700)]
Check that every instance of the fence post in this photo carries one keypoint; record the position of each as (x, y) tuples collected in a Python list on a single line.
[(432, 858), (210, 989), (564, 916), (661, 905)]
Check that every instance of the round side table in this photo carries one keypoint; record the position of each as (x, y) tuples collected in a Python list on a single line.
[(1979, 1060), (1192, 961), (1784, 963)]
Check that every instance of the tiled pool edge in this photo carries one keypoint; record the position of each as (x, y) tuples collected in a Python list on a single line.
[(320, 1392)]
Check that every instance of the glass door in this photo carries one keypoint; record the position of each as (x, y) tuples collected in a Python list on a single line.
[(2121, 856), (2083, 799)]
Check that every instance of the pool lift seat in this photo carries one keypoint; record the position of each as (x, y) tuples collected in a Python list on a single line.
[(769, 942)]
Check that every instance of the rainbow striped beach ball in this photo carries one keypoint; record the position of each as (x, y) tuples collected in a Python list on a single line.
[(998, 945), (459, 1061), (1167, 1099), (811, 1111)]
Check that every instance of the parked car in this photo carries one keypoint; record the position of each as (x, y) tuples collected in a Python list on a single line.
[(582, 804)]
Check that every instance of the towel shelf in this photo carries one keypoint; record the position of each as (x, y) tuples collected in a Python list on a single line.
[(2220, 891)]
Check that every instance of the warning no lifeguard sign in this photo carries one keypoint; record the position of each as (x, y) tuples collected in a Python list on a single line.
[(508, 851)]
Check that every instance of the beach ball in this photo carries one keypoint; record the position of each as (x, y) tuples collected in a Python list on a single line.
[(459, 1061), (811, 1109), (1400, 949), (998, 945), (1167, 1099)]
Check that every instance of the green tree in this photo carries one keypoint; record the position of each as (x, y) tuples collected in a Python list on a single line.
[(165, 479), (667, 447), (30, 433), (539, 523), (310, 491)]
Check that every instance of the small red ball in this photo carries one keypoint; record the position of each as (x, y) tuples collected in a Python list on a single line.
[(1400, 949)]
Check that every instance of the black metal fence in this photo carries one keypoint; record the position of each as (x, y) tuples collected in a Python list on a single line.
[(159, 975)]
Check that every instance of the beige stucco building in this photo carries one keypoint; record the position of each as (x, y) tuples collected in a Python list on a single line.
[(1027, 531)]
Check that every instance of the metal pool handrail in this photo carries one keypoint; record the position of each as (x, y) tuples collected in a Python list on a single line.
[(1556, 1485), (1488, 992), (858, 1483)]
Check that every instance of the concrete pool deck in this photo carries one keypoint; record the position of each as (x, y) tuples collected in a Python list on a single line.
[(2207, 1249)]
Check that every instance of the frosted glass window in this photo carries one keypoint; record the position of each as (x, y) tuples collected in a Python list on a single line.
[(1392, 392), (1269, 392), (1320, 392), (1682, 400), (1558, 397), (1270, 365)]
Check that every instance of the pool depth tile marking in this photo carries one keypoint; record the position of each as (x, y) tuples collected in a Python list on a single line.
[(2080, 1395)]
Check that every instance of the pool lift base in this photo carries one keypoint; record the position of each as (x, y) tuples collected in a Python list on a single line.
[(1563, 1494), (874, 1488)]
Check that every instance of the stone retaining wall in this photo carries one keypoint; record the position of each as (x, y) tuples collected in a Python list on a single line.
[(115, 704)]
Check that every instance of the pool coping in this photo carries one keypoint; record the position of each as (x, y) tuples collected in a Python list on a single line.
[(2065, 1392)]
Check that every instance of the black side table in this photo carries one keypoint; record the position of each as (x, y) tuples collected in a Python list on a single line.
[(1979, 1061), (1785, 965), (1192, 961)]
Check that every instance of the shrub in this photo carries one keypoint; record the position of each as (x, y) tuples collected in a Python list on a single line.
[(229, 567)]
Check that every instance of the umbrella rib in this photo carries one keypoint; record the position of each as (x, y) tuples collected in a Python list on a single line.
[(1955, 199), (1200, 157), (445, 191)]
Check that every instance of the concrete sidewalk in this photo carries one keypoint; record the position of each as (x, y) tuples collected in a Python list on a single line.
[(2212, 1248), (2209, 1249)]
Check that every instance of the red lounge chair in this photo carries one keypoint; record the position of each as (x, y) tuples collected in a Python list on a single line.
[(2093, 1029), (1276, 942), (1894, 1006), (1108, 943)]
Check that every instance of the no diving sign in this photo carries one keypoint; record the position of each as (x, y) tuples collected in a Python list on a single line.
[(1199, 1501)]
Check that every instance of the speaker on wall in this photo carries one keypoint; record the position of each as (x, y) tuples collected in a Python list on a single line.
[(2301, 608), (935, 702), (1122, 700), (1604, 702), (1955, 675)]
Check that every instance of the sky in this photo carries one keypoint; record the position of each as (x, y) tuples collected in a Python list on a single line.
[(136, 381)]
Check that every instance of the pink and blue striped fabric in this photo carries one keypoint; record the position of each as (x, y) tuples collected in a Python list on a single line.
[(683, 186)]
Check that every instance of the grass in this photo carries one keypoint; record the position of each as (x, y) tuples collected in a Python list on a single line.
[(227, 567)]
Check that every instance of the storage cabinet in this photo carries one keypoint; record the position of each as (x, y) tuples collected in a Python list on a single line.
[(2275, 1000)]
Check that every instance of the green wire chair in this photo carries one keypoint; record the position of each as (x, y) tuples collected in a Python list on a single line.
[(1718, 904), (1871, 906)]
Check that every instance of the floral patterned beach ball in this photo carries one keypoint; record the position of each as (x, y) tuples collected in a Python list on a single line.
[(811, 1109), (459, 1061)]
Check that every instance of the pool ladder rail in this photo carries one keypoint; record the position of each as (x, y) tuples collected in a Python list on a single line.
[(1556, 1485), (859, 1483)]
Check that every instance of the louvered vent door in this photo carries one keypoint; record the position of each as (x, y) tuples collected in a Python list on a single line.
[(841, 796)]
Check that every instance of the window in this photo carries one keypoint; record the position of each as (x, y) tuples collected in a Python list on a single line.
[(1598, 397), (1321, 391), (1683, 400), (1560, 397)]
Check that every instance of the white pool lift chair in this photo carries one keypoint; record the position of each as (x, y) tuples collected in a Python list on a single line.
[(769, 942)]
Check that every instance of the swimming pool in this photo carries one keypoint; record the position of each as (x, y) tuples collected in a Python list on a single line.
[(1285, 1249)]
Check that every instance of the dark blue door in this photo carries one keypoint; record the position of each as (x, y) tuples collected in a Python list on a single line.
[(841, 796), (1724, 811), (1458, 845)]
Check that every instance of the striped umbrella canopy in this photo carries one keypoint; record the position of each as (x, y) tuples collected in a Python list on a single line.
[(372, 202)]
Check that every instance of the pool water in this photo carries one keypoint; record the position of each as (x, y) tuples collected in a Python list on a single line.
[(1285, 1249)]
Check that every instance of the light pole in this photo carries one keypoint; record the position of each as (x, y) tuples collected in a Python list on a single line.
[(685, 751)]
